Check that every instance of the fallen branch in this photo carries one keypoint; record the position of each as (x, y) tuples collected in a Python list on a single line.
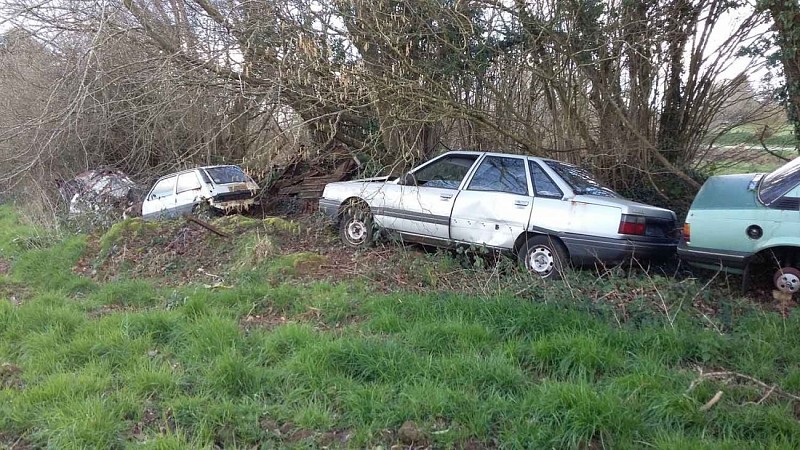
[(710, 404), (727, 375), (206, 225)]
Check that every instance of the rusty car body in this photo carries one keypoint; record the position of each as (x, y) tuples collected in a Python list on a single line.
[(210, 190), (546, 212)]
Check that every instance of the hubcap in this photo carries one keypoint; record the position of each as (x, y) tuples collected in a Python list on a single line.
[(356, 231), (787, 280), (541, 261)]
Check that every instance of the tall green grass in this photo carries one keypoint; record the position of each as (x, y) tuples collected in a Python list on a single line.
[(129, 364)]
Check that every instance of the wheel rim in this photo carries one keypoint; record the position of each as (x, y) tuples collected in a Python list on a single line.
[(787, 280), (541, 261), (356, 231)]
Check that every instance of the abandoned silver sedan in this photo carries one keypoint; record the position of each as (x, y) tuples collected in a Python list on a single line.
[(548, 213)]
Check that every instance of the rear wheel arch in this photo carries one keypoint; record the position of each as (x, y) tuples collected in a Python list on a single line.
[(524, 236), (544, 255), (780, 262), (784, 255)]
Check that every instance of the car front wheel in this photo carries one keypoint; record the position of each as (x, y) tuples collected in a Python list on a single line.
[(356, 226), (544, 256)]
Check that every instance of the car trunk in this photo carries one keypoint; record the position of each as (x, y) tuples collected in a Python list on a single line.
[(659, 222)]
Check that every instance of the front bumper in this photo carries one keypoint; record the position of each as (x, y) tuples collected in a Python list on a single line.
[(330, 208), (714, 259), (233, 200)]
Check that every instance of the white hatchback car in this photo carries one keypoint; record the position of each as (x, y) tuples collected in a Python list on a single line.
[(220, 188), (546, 212)]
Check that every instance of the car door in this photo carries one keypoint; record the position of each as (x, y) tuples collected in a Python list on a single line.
[(422, 205), (550, 212), (160, 200), (187, 193), (495, 207), (785, 227)]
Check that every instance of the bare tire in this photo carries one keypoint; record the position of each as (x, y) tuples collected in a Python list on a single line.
[(787, 280), (356, 226), (544, 256)]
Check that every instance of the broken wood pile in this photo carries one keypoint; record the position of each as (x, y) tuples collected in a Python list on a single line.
[(305, 181)]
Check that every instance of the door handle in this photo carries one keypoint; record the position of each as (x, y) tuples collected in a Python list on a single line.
[(521, 202), (445, 196)]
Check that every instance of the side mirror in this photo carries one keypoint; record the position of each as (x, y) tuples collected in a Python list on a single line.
[(408, 179)]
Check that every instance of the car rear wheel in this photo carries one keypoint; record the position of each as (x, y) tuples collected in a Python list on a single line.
[(356, 226), (787, 280), (544, 256)]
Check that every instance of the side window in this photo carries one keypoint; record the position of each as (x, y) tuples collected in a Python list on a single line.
[(790, 200), (163, 188), (188, 182), (499, 174), (543, 185), (446, 173)]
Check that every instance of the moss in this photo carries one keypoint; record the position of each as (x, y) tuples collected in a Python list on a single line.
[(128, 227), (279, 224), (296, 263), (234, 223)]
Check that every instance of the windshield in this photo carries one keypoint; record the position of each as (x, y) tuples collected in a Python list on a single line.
[(779, 182), (227, 174), (581, 181)]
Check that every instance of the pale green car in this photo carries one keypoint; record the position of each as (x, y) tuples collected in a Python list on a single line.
[(740, 222)]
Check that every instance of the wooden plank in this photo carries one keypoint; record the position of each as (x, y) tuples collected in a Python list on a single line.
[(206, 225)]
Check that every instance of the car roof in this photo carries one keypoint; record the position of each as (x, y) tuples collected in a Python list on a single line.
[(518, 155), (175, 174)]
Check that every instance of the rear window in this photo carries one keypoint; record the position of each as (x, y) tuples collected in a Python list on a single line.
[(779, 182), (581, 181), (227, 174)]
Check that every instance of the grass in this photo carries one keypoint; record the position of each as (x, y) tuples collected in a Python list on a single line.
[(740, 150), (128, 364), (748, 134)]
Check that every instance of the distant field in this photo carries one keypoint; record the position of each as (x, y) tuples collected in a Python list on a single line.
[(739, 151), (748, 134), (286, 340)]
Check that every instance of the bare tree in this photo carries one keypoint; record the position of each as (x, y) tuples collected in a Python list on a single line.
[(627, 88)]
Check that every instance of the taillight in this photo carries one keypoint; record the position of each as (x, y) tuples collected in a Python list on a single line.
[(687, 232), (630, 224)]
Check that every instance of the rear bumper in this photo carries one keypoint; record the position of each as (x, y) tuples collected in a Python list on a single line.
[(590, 249), (714, 259)]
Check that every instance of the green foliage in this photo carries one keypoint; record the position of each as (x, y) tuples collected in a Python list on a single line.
[(17, 237), (51, 268), (134, 227), (273, 364)]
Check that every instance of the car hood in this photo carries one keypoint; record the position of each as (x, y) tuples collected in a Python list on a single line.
[(237, 186), (727, 192), (629, 206), (369, 180)]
